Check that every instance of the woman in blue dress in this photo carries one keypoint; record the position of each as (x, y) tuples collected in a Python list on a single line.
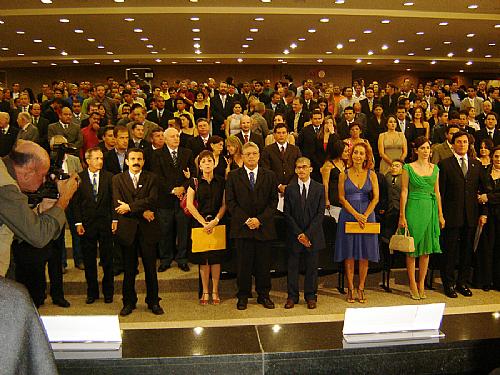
[(358, 195)]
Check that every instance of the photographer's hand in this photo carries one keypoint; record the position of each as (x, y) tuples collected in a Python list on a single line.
[(66, 190), (46, 204)]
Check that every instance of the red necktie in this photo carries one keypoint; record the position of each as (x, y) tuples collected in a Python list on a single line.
[(246, 138)]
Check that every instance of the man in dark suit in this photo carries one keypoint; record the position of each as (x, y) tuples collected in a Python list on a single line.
[(137, 140), (444, 150), (345, 123), (114, 160), (368, 103), (489, 131), (135, 197), (252, 198), (42, 124), (66, 128), (221, 106), (309, 103), (280, 157), (160, 115), (173, 165), (199, 143), (246, 135), (276, 104), (408, 128), (304, 209), (390, 100), (311, 145), (93, 211), (8, 134), (52, 110), (459, 184), (296, 118)]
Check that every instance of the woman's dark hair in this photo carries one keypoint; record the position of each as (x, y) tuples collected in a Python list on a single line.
[(494, 149), (234, 103), (335, 150), (419, 142), (188, 118), (488, 142), (213, 140), (205, 154)]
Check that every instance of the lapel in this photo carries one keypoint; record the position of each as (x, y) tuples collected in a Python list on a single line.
[(457, 167), (244, 178), (100, 188)]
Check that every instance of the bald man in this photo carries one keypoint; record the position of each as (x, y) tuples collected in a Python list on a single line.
[(66, 128)]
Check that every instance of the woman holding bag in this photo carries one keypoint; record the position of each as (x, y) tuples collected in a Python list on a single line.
[(421, 213), (208, 191)]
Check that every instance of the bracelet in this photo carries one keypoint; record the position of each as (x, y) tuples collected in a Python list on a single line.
[(216, 219)]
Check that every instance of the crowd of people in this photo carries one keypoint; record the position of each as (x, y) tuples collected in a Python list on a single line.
[(154, 162)]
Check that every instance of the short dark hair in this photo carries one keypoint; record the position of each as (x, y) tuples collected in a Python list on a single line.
[(205, 154), (349, 108), (118, 129), (135, 124), (213, 140), (453, 115), (134, 149), (450, 126), (279, 126), (316, 111), (491, 114), (459, 134)]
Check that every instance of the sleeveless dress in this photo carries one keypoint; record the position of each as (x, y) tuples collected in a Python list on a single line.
[(422, 212), (200, 113), (393, 148), (357, 246), (234, 125)]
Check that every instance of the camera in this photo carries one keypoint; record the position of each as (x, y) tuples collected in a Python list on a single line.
[(56, 172)]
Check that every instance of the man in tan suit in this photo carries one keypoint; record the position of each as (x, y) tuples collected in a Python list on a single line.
[(444, 150)]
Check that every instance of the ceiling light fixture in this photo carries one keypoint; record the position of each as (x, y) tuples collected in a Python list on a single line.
[(473, 6), (196, 39), (411, 54), (5, 48), (244, 46), (328, 52), (470, 49), (174, 62), (324, 20), (401, 41), (109, 53), (100, 47), (446, 42), (352, 40), (53, 64), (151, 46), (385, 47), (46, 1), (385, 21), (370, 53), (301, 39), (116, 61), (367, 32), (340, 46), (420, 33), (194, 19), (408, 4), (129, 19), (64, 20), (319, 60), (450, 54), (487, 56), (76, 62), (20, 54), (158, 60), (119, 1), (369, 63), (52, 47), (249, 39), (265, 1), (64, 53), (137, 30), (339, 1), (471, 35), (216, 62), (293, 45), (79, 31), (461, 70), (259, 19), (97, 63), (311, 31), (154, 52), (20, 32), (37, 41), (240, 60), (492, 44), (144, 39), (254, 30), (443, 23), (196, 45), (427, 48), (359, 61), (286, 52), (433, 62), (497, 26), (91, 39), (468, 63), (198, 52), (396, 61)]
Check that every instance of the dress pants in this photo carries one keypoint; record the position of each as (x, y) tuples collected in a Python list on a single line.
[(174, 230), (253, 255), (147, 250), (311, 275), (75, 241), (457, 249), (89, 248), (55, 268)]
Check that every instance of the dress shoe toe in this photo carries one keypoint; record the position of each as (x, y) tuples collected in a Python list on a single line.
[(290, 304), (311, 304), (90, 300), (61, 302), (450, 292), (156, 309), (266, 302), (464, 290), (184, 267), (242, 304), (108, 299), (127, 310)]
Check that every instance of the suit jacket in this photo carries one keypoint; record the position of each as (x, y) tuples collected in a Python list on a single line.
[(196, 145), (459, 192), (312, 147), (478, 104), (95, 215), (220, 113), (169, 176), (73, 133), (410, 135), (279, 108), (390, 109), (148, 128), (50, 115), (493, 192), (283, 167), (440, 151), (308, 221), (255, 138), (142, 144), (29, 134), (8, 140), (163, 120), (313, 104), (290, 118), (243, 203), (365, 106), (145, 197), (43, 129), (482, 134), (112, 164)]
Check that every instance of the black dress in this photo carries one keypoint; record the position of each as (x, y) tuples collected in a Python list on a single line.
[(209, 197), (184, 139), (333, 186), (221, 167), (200, 113)]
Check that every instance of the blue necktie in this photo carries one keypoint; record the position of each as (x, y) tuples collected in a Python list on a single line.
[(252, 180), (94, 187)]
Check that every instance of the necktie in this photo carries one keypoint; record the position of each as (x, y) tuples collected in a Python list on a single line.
[(490, 134), (134, 181), (296, 122), (35, 121), (370, 104), (282, 151), (223, 99), (316, 130), (463, 166), (95, 188), (4, 131), (174, 158), (393, 180), (303, 197), (246, 138), (252, 180)]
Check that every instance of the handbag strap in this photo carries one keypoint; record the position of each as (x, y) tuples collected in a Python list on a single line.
[(406, 232)]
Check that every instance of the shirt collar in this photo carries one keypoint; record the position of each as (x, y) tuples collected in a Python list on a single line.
[(459, 158), (306, 184), (138, 175), (172, 150), (252, 170), (91, 174), (284, 145)]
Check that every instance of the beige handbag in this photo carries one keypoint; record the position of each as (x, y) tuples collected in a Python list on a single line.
[(402, 242)]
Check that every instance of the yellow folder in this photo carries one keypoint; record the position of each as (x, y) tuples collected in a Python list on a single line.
[(352, 227), (203, 241)]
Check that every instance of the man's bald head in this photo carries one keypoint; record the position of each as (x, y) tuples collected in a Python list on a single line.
[(31, 163)]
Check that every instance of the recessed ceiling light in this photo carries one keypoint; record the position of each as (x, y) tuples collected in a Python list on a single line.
[(174, 62), (443, 23), (427, 48), (319, 60), (265, 1), (53, 64), (137, 30), (109, 53), (20, 32), (311, 31), (461, 70), (497, 26), (286, 52), (37, 41), (129, 19), (144, 39), (369, 63), (79, 31), (63, 20), (492, 44), (259, 19), (154, 52), (446, 42), (339, 1), (473, 6), (76, 62), (487, 56), (249, 39), (100, 47), (151, 46), (385, 21), (367, 32), (1, 22), (324, 20), (284, 62), (411, 54), (5, 48), (52, 47), (280, 60), (217, 62), (433, 62), (420, 33), (158, 60), (328, 52), (408, 69), (116, 61), (340, 46), (396, 61), (119, 1), (195, 18), (408, 4), (450, 54), (196, 45), (97, 63), (64, 53), (20, 54), (254, 30), (468, 63), (196, 39), (358, 61), (293, 45), (198, 52), (370, 53), (352, 40), (384, 47), (244, 46), (471, 35), (91, 39), (401, 41), (240, 60), (301, 39), (470, 49), (46, 1)]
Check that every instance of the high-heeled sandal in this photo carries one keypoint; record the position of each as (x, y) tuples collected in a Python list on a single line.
[(361, 296), (421, 294), (350, 296), (215, 299), (204, 301), (414, 295)]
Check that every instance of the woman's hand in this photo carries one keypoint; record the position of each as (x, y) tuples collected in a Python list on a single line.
[(482, 198), (361, 219), (327, 204), (402, 222), (441, 221)]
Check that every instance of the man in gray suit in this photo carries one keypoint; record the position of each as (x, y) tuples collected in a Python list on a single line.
[(140, 118), (444, 150), (67, 129), (27, 130), (472, 100)]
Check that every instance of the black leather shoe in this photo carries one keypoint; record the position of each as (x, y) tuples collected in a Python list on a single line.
[(463, 290), (156, 309), (311, 304), (163, 267), (61, 302), (449, 291), (127, 310), (90, 300), (266, 302), (184, 267), (242, 303), (108, 299), (289, 304)]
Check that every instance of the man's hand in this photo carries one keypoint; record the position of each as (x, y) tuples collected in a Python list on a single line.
[(482, 220), (123, 208), (114, 226), (80, 230), (179, 191), (304, 240), (46, 204), (253, 223), (66, 189), (281, 188), (148, 215), (482, 198), (187, 173)]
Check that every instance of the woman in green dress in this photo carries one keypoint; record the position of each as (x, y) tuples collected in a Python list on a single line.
[(421, 213)]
